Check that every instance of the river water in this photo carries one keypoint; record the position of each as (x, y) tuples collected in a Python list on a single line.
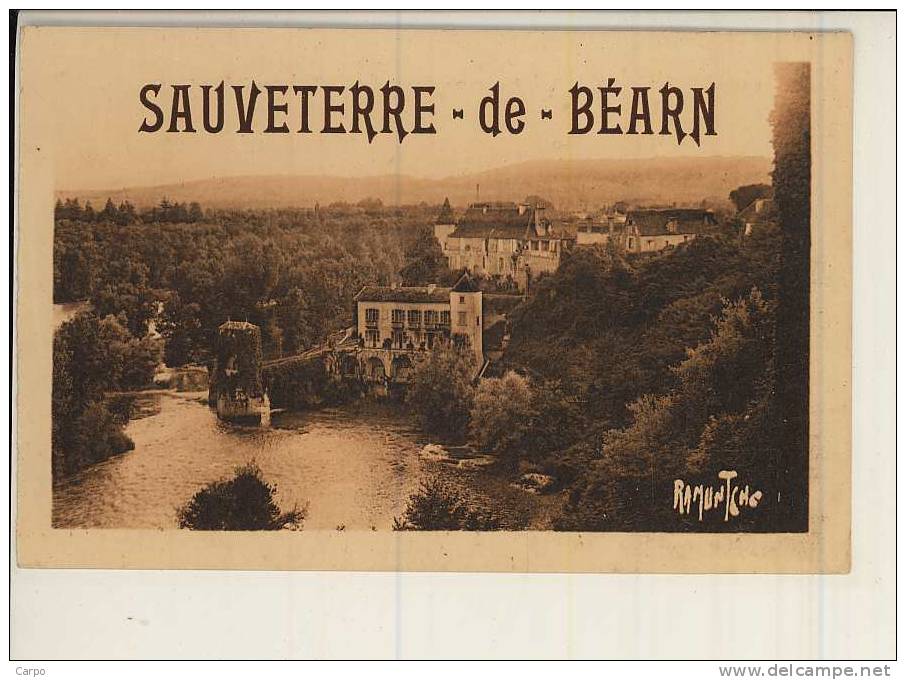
[(353, 467)]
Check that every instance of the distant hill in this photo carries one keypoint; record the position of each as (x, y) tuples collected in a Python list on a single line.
[(567, 184)]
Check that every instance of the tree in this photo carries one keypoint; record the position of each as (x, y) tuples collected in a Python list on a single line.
[(195, 212), (743, 196), (436, 506), (180, 326), (92, 356), (424, 260), (370, 203), (440, 390), (712, 420), (125, 214), (108, 214), (293, 314), (132, 302), (791, 122), (502, 414), (243, 503)]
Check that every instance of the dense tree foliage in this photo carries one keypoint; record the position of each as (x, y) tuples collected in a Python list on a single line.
[(291, 272), (743, 196), (126, 213), (440, 390), (92, 356), (609, 328), (712, 420), (791, 124), (501, 415), (243, 503), (670, 355), (424, 260), (438, 507), (516, 418)]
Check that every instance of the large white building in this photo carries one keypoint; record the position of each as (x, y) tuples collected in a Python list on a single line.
[(412, 318)]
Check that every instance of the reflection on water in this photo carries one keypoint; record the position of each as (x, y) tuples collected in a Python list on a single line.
[(351, 468)]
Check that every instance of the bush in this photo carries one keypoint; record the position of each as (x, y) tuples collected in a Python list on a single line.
[(243, 503), (438, 507)]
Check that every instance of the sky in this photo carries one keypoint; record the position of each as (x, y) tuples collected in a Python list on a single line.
[(90, 81)]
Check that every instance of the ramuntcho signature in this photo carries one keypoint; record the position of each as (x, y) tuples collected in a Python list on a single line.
[(732, 497)]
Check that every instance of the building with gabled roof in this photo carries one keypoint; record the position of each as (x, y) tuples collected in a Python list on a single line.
[(503, 240), (652, 230)]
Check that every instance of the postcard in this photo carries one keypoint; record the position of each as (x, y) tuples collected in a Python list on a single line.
[(446, 300)]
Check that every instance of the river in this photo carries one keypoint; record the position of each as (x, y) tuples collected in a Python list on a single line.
[(353, 467)]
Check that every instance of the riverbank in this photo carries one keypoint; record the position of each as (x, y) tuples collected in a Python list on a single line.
[(354, 467)]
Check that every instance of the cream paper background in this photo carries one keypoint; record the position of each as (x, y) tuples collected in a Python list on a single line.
[(192, 614)]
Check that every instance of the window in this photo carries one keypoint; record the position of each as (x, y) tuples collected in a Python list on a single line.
[(414, 317), (461, 318), (372, 338), (372, 315), (445, 318), (399, 315), (462, 299), (430, 317)]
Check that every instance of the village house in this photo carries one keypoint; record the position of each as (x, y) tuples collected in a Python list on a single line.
[(502, 240), (592, 230), (404, 319), (652, 230)]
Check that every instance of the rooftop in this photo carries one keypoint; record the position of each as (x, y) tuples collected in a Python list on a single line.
[(466, 284), (403, 294), (495, 220), (446, 214), (655, 221)]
